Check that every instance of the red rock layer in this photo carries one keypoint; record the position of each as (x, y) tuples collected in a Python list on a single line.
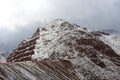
[(25, 49)]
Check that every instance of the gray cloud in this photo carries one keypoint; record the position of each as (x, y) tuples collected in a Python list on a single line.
[(10, 40), (93, 14)]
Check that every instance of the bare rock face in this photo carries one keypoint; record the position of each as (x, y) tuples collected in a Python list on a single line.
[(67, 52)]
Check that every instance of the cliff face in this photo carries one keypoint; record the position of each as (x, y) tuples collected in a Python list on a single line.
[(83, 54)]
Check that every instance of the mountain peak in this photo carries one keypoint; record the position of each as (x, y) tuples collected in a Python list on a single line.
[(57, 38), (59, 25)]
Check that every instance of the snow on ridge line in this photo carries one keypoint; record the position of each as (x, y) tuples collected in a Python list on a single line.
[(60, 25)]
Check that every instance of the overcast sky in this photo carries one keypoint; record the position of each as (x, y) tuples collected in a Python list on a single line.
[(20, 18)]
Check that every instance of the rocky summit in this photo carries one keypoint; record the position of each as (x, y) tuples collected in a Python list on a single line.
[(61, 50)]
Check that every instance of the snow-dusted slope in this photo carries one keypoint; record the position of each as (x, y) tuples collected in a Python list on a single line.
[(113, 41), (2, 59)]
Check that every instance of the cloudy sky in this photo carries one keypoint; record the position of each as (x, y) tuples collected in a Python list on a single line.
[(20, 18)]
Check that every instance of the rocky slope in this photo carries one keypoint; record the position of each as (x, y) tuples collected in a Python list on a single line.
[(40, 70), (66, 52)]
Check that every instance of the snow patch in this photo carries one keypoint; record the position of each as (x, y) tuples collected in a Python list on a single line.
[(113, 41)]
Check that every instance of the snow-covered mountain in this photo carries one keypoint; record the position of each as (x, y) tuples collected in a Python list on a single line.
[(61, 50)]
